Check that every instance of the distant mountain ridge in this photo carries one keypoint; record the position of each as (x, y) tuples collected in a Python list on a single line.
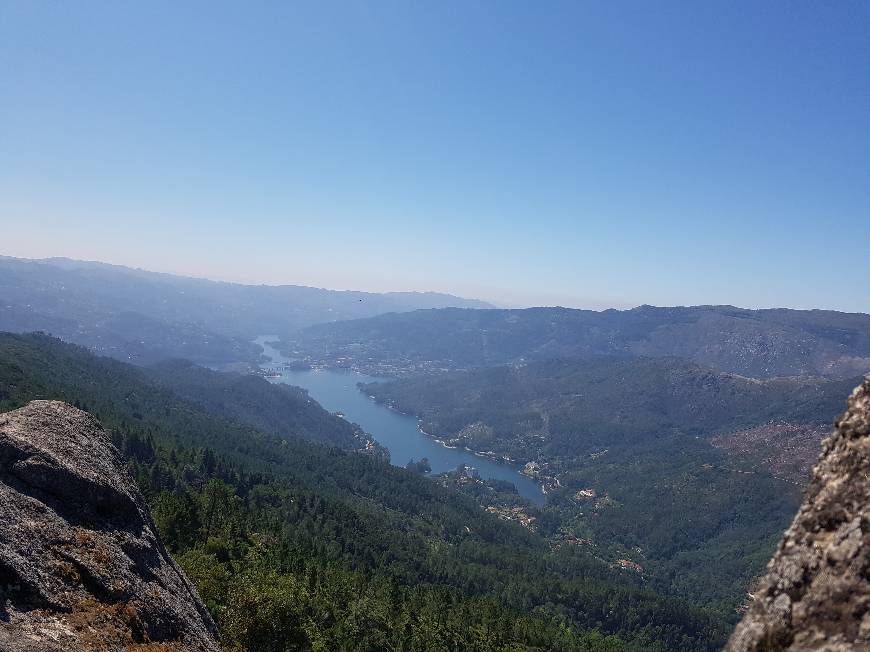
[(146, 316), (755, 343)]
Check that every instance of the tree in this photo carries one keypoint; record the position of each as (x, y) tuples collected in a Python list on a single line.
[(422, 467)]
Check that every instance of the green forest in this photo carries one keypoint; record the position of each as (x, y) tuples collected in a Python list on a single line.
[(624, 448), (295, 545)]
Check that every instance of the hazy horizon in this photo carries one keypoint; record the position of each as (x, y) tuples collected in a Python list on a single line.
[(585, 155), (253, 281), (323, 437), (572, 302)]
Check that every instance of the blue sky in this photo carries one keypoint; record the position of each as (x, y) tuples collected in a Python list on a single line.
[(581, 153)]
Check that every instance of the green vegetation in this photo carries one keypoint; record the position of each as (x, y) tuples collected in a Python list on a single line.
[(756, 343), (293, 544), (283, 410), (422, 466), (573, 408), (622, 445)]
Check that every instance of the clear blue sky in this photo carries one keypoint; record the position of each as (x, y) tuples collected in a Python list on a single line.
[(582, 153)]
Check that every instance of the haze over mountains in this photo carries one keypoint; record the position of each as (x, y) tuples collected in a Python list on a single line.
[(668, 200), (672, 443), (755, 343), (146, 316)]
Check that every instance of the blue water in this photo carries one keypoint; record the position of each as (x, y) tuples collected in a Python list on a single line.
[(337, 392)]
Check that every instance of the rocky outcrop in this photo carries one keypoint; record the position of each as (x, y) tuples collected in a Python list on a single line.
[(816, 595), (81, 564)]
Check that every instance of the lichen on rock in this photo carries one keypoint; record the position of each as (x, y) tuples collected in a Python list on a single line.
[(816, 594), (81, 564)]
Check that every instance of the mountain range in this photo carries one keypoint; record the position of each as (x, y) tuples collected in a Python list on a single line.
[(293, 545), (673, 444), (754, 343), (143, 316)]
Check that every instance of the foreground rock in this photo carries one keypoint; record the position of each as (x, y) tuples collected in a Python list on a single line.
[(816, 595), (81, 565)]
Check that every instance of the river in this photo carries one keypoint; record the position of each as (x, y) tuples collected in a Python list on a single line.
[(337, 392)]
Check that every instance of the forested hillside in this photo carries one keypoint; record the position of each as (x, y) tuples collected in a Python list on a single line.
[(283, 410), (293, 545), (755, 343), (624, 448), (571, 408)]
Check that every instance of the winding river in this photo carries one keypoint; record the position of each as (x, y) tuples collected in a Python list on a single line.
[(337, 392)]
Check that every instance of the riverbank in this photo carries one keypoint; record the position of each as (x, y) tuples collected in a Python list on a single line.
[(544, 482), (338, 391)]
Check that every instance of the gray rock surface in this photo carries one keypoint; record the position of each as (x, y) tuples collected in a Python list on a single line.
[(816, 595), (81, 564)]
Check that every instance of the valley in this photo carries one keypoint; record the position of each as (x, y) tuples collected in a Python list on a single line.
[(143, 317), (434, 326), (535, 466), (289, 540), (400, 433), (658, 464)]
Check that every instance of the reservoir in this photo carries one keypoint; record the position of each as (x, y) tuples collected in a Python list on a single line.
[(336, 391)]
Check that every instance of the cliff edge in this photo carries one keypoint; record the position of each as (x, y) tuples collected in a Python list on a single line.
[(816, 594), (81, 564)]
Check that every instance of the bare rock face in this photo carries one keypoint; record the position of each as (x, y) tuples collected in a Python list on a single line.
[(816, 595), (81, 565)]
